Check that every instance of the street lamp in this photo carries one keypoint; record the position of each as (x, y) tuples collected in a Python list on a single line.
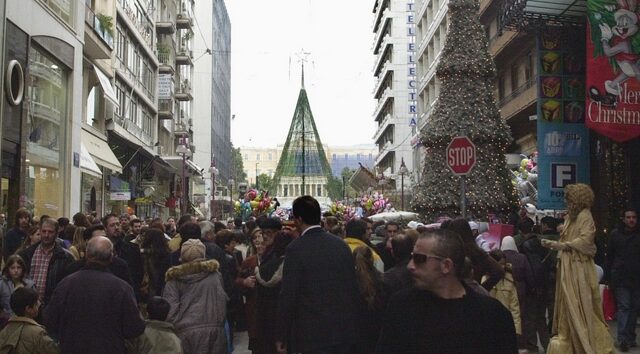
[(402, 171), (184, 151), (214, 171), (257, 184), (381, 179)]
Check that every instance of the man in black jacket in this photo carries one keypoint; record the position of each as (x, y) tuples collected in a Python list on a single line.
[(440, 314), (623, 273), (319, 299), (92, 310), (128, 251), (46, 261), (14, 237), (399, 277)]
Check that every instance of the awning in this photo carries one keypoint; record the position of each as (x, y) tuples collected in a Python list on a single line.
[(176, 162), (87, 164), (518, 14), (101, 152), (109, 92)]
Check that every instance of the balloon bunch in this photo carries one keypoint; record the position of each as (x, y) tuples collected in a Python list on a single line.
[(375, 203), (526, 179), (254, 203), (342, 211)]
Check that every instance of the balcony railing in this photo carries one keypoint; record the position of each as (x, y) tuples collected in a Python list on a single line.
[(93, 21), (144, 26), (515, 93)]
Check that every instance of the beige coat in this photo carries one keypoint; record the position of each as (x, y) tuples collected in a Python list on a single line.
[(25, 336), (198, 306), (578, 321), (505, 292), (163, 338)]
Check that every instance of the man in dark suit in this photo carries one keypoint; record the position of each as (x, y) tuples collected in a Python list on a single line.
[(319, 304)]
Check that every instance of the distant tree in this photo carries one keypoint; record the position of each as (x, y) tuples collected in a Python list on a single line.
[(237, 166), (335, 187), (265, 182)]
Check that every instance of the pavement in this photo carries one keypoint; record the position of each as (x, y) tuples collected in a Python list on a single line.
[(241, 341)]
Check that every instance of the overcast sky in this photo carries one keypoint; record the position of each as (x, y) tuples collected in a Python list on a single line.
[(267, 38)]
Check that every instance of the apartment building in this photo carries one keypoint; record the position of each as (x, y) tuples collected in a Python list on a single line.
[(395, 89)]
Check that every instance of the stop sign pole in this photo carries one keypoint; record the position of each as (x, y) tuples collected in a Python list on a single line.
[(461, 157)]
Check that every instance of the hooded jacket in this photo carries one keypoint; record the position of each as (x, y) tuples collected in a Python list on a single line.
[(198, 306)]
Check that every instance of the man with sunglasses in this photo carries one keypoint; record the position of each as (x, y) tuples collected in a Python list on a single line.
[(439, 314)]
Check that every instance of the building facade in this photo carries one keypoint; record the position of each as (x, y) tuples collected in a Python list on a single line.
[(394, 49), (41, 127)]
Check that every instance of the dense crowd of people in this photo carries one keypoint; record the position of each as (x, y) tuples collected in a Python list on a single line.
[(313, 284)]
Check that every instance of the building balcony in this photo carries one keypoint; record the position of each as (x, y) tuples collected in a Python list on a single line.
[(384, 151), (380, 14), (46, 73), (165, 108), (98, 41), (381, 57), (184, 19), (165, 26), (519, 99), (180, 130), (386, 95), (382, 82), (382, 127), (45, 112), (167, 63), (384, 134), (499, 42), (184, 91), (184, 56)]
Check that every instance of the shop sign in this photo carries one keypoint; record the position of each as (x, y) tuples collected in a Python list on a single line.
[(563, 138), (613, 69)]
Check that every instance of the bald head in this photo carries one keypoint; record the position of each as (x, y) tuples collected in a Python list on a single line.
[(99, 250)]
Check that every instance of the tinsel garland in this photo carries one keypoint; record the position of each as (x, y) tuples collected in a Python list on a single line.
[(466, 106)]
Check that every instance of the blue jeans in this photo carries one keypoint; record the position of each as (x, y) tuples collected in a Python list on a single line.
[(627, 304)]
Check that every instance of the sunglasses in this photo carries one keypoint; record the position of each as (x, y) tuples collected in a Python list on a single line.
[(419, 258)]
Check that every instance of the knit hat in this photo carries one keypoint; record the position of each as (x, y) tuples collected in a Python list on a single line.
[(191, 250)]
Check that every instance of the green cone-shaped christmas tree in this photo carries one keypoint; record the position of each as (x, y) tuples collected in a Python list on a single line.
[(466, 106)]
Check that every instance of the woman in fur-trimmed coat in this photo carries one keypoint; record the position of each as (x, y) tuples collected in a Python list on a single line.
[(198, 302)]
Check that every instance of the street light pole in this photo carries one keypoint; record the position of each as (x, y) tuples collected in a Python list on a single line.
[(184, 151), (213, 170), (403, 170), (257, 183)]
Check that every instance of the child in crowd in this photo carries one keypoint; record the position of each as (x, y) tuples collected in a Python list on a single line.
[(160, 333), (13, 277), (505, 291), (23, 334)]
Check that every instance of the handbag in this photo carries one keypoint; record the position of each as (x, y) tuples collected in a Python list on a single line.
[(608, 304)]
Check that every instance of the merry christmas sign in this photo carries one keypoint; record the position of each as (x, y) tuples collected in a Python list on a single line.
[(613, 68)]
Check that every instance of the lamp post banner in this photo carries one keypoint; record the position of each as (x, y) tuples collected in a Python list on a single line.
[(563, 138), (613, 69)]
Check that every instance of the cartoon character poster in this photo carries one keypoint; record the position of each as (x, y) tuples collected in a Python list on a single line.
[(613, 68)]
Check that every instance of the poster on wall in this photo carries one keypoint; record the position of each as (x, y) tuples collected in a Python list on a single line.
[(613, 68), (563, 138)]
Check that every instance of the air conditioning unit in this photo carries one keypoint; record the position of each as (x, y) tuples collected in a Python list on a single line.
[(190, 121)]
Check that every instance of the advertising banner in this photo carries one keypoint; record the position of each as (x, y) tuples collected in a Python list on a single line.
[(613, 69), (563, 138)]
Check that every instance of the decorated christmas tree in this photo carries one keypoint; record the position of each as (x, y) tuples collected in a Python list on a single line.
[(466, 106)]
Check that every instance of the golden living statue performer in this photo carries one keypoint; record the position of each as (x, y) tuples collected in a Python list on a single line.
[(578, 321)]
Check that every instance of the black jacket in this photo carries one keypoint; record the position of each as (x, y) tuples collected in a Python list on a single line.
[(214, 251), (623, 258), (93, 311), (130, 253), (319, 305), (60, 260), (397, 278), (118, 267)]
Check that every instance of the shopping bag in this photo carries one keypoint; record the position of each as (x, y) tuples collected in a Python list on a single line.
[(608, 304)]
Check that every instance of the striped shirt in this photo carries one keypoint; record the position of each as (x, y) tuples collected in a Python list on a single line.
[(40, 268)]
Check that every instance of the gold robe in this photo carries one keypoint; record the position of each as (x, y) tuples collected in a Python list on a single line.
[(578, 320)]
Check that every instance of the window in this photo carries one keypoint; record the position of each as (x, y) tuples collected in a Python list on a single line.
[(285, 190), (333, 157), (528, 65), (270, 157), (501, 86), (257, 157), (246, 157), (319, 191), (515, 82)]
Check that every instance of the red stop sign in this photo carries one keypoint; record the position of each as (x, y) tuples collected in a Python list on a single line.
[(461, 155)]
